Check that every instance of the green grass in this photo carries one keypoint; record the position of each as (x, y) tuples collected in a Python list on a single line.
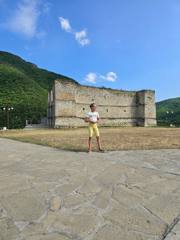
[(113, 139)]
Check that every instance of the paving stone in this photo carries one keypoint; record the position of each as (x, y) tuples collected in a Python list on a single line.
[(116, 233), (102, 199), (174, 233), (8, 230), (24, 206), (167, 207), (89, 187), (47, 193), (135, 218), (77, 225), (55, 203), (53, 236), (74, 200), (40, 228)]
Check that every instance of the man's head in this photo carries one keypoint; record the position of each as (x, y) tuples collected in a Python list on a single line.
[(93, 107)]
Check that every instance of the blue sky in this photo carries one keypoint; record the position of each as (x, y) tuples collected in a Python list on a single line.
[(124, 44)]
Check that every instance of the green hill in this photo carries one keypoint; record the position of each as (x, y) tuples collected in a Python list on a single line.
[(23, 86), (168, 112)]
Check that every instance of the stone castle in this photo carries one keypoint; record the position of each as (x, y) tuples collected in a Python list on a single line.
[(68, 102)]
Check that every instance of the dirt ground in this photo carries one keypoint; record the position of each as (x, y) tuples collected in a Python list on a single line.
[(113, 139)]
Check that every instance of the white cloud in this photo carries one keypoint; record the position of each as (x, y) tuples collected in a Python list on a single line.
[(91, 77), (81, 36), (25, 18), (110, 76), (65, 24)]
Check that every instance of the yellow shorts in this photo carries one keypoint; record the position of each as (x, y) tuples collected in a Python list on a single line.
[(93, 128)]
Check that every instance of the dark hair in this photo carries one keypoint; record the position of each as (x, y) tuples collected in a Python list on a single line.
[(92, 105)]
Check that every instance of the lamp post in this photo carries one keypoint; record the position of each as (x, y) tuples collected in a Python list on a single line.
[(7, 109), (169, 115)]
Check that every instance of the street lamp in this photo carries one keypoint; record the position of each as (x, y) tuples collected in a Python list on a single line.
[(169, 114), (7, 109)]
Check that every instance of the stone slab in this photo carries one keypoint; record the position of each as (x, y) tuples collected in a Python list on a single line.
[(47, 193)]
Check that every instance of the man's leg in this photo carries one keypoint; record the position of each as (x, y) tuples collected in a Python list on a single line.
[(98, 137), (90, 138), (90, 144), (99, 142)]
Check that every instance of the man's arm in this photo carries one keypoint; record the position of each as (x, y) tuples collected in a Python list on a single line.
[(98, 118), (86, 119)]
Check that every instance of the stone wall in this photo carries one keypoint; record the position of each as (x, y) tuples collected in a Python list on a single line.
[(69, 102)]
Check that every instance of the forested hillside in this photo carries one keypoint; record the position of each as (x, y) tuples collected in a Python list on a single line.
[(24, 87), (168, 112)]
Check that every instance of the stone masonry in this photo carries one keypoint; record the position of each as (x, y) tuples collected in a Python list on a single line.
[(69, 101)]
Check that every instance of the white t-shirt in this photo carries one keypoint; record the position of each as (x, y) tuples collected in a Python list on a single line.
[(93, 116)]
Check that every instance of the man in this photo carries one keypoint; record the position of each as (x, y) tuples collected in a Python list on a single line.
[(92, 118)]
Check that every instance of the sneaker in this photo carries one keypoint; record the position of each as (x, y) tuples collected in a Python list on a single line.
[(101, 150)]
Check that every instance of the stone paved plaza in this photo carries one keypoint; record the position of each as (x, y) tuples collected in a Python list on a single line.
[(50, 194)]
